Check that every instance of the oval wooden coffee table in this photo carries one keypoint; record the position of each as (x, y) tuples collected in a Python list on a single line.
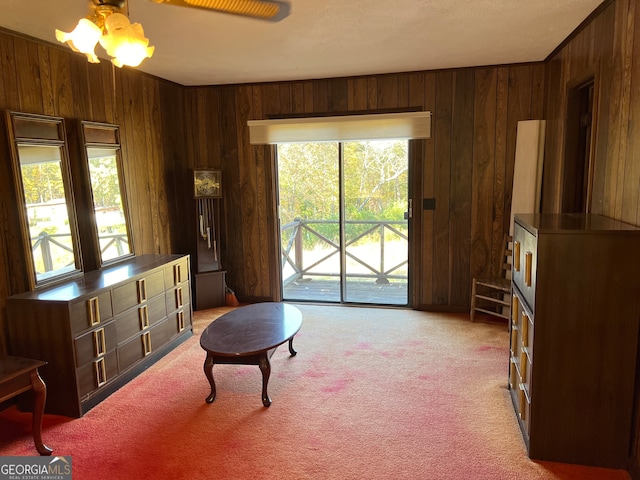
[(249, 336)]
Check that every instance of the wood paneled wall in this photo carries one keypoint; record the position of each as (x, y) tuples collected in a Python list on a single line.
[(466, 165), (606, 49), (51, 80)]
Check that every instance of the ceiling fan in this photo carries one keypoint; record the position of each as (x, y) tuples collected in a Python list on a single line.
[(271, 10)]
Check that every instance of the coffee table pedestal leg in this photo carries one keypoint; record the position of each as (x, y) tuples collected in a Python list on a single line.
[(208, 371), (265, 368)]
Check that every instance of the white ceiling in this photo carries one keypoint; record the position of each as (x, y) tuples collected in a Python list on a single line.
[(325, 38)]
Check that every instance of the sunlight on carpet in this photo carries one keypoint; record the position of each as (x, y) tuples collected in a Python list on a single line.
[(372, 394)]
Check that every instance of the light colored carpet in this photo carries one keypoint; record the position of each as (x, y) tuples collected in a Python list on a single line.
[(372, 394)]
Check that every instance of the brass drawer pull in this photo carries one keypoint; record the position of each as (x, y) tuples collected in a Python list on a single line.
[(100, 371), (528, 258), (516, 256), (142, 290), (99, 343), (180, 321), (515, 311), (179, 297), (513, 376), (521, 403), (177, 275), (93, 309), (525, 330), (146, 343), (143, 315)]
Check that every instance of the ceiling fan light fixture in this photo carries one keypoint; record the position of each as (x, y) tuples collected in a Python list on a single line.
[(123, 41), (82, 39)]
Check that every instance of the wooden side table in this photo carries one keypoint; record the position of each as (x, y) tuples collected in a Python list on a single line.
[(18, 375)]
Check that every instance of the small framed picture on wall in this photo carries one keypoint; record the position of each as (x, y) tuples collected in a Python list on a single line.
[(207, 183)]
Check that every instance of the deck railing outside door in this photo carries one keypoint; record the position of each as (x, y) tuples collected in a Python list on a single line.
[(375, 266)]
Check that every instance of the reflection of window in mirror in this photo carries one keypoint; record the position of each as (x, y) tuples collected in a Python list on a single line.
[(111, 221), (41, 172), (102, 154)]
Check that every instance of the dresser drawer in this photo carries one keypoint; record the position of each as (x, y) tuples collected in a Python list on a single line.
[(164, 332), (89, 312), (527, 330), (130, 353), (95, 343), (177, 273), (178, 297), (146, 343), (524, 263), (97, 373), (524, 410), (522, 325), (138, 318), (520, 393), (138, 291), (181, 320)]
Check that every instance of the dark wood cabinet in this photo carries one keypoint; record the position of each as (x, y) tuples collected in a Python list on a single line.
[(574, 335), (210, 289), (99, 331)]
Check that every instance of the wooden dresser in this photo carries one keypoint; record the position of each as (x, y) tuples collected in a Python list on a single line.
[(574, 335), (100, 330)]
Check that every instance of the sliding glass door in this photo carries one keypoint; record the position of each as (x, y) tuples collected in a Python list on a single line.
[(309, 213), (375, 197), (344, 235)]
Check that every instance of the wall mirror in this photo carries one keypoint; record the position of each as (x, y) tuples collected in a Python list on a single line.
[(102, 157), (40, 163)]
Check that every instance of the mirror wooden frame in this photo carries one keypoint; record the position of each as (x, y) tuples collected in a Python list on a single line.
[(103, 136), (26, 129)]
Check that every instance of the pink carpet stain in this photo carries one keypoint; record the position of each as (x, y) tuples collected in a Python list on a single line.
[(396, 354), (315, 374), (338, 386)]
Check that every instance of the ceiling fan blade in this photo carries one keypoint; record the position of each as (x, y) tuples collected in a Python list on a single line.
[(272, 10)]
